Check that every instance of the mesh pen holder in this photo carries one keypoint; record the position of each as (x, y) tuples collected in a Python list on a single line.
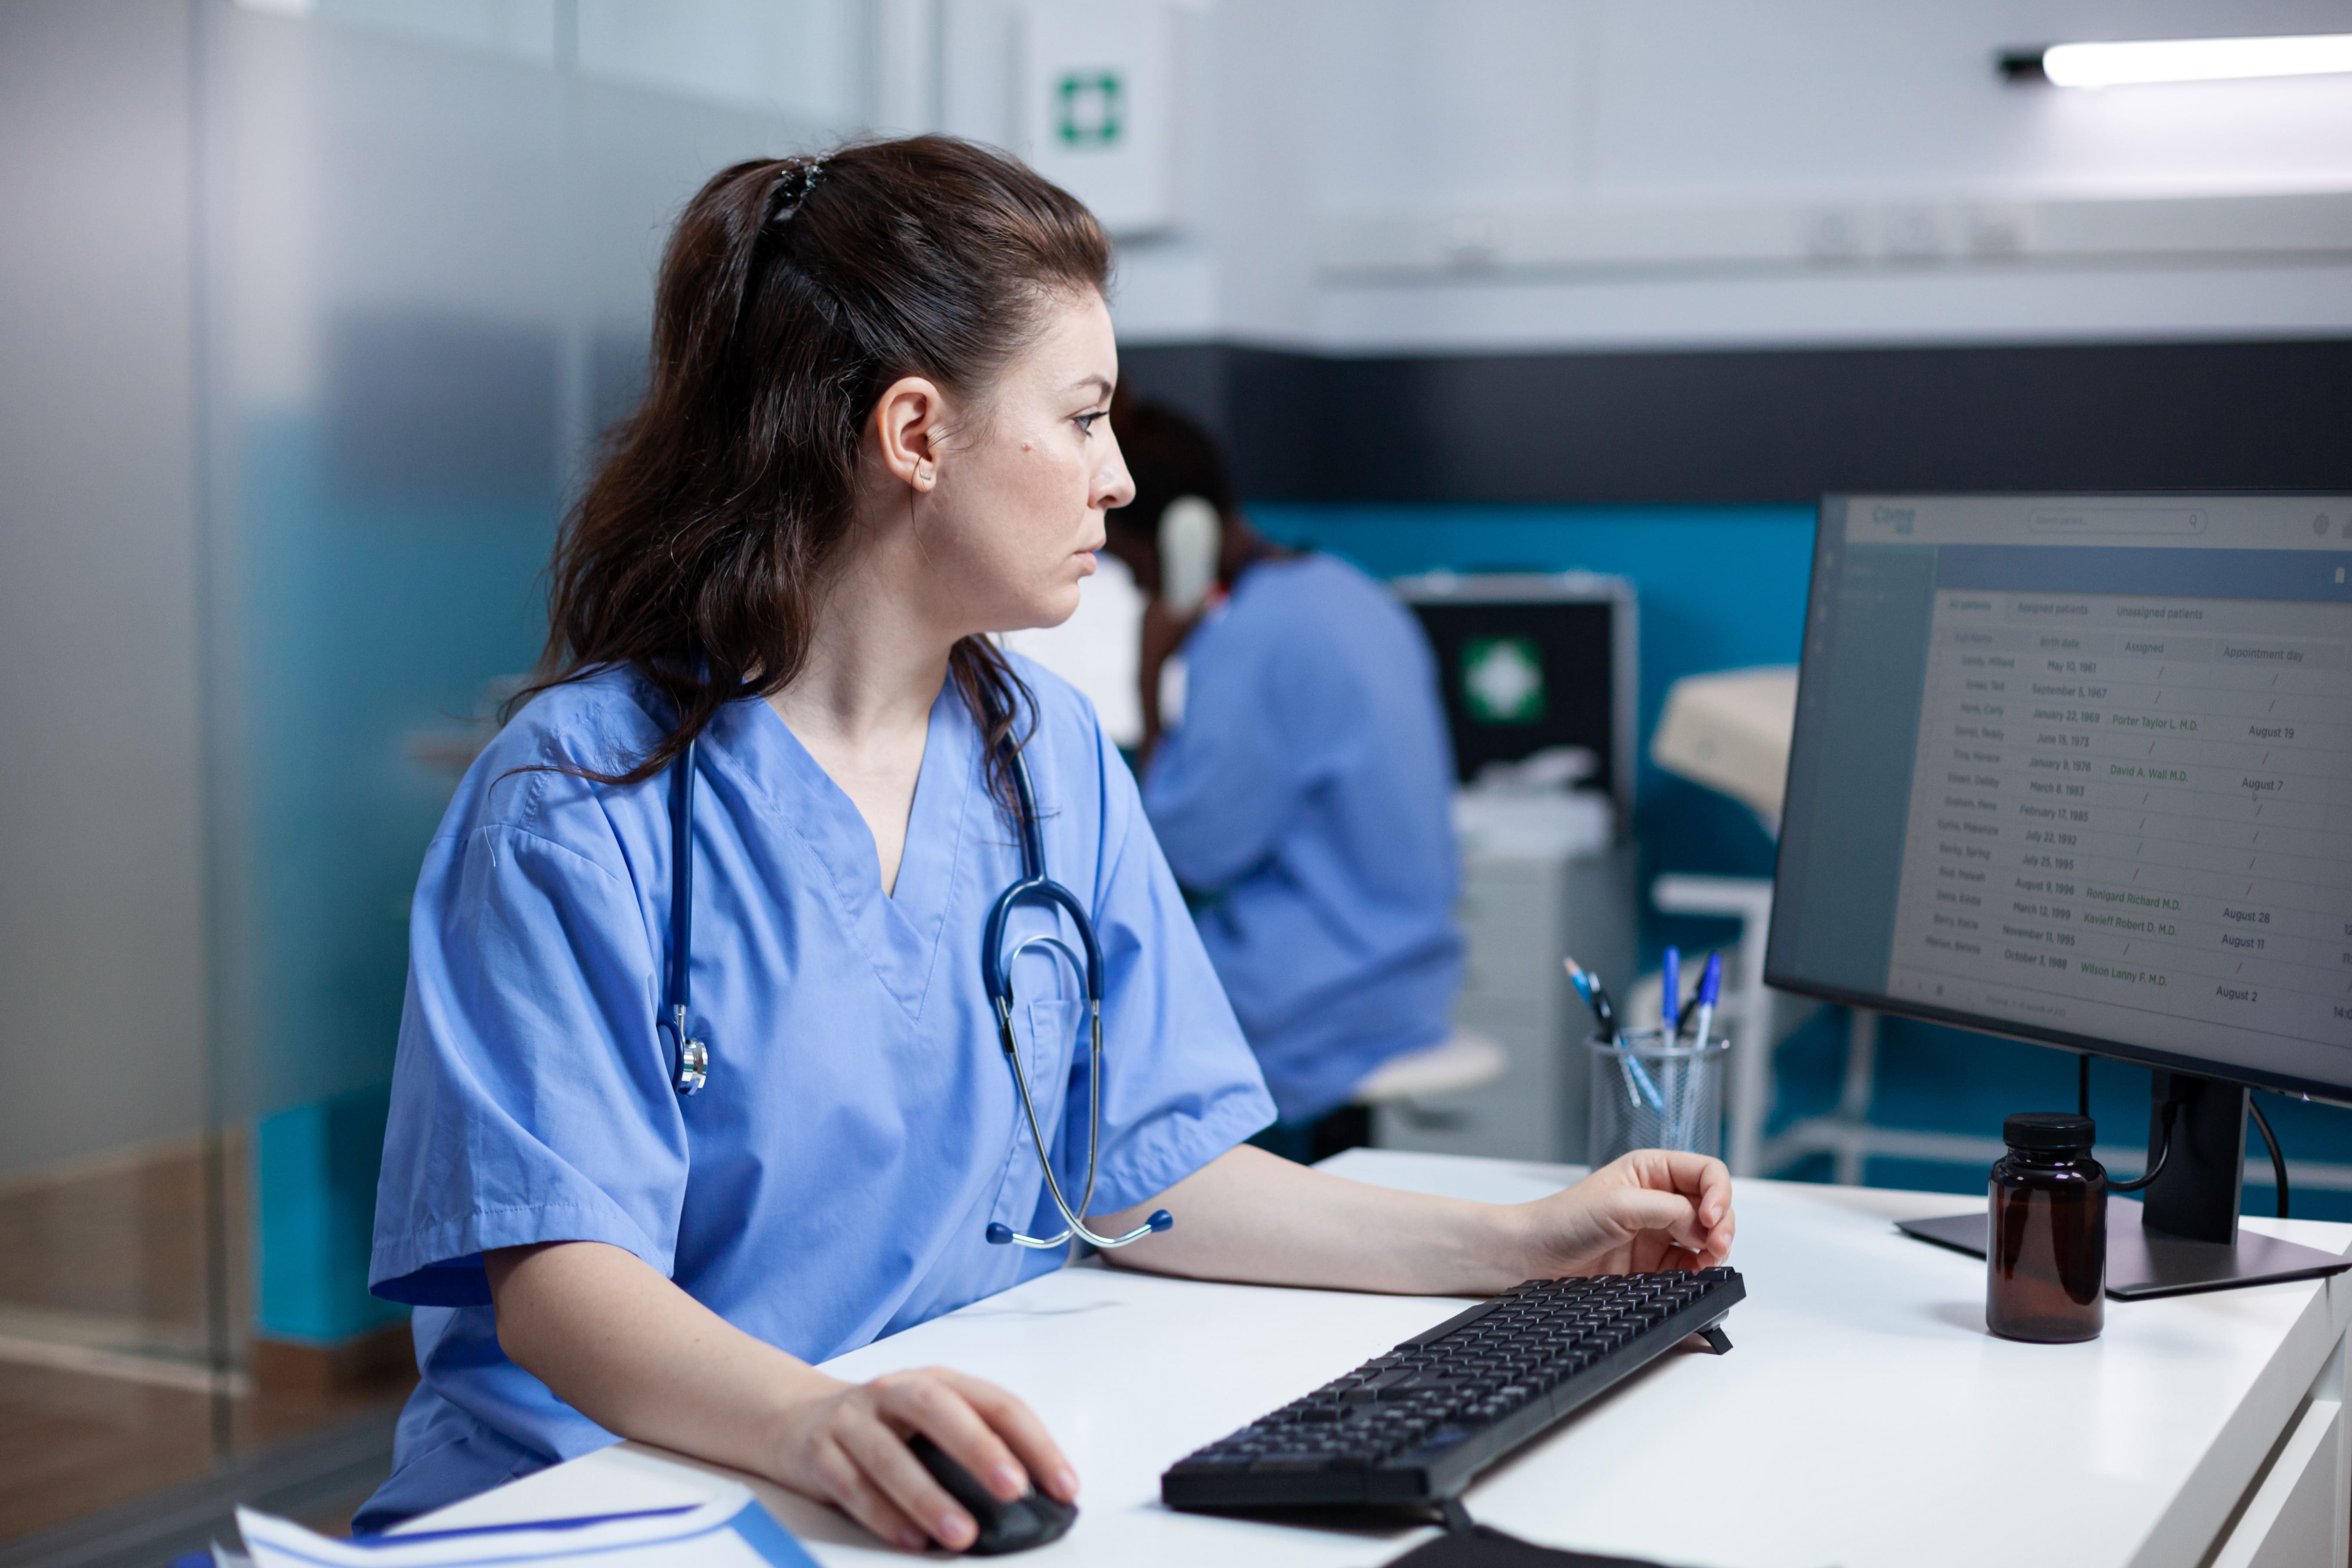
[(1653, 1092)]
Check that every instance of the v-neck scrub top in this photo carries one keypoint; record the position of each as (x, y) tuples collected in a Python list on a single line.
[(860, 1131)]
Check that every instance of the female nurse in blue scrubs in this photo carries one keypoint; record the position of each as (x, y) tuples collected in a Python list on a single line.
[(874, 434)]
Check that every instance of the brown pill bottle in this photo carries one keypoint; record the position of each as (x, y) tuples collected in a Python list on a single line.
[(2046, 1269)]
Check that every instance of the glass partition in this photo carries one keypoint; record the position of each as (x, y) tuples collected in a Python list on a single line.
[(392, 267)]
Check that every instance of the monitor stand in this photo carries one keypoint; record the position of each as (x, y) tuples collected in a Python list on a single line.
[(2185, 1237)]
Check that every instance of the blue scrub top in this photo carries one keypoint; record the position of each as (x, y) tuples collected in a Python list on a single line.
[(861, 1128), (1306, 803)]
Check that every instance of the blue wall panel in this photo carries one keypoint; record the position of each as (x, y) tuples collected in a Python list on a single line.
[(369, 619), (314, 1197), (372, 616)]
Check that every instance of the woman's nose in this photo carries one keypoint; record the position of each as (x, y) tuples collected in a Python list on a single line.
[(1115, 487)]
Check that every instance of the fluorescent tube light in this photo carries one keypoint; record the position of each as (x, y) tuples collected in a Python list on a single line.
[(2183, 59)]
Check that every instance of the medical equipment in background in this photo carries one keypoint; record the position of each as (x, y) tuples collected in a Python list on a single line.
[(1535, 661), (690, 1058), (1729, 731)]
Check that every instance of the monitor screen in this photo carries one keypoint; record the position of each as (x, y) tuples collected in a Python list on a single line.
[(2078, 770), (1530, 660)]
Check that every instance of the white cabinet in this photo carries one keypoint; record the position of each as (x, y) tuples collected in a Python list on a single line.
[(1520, 913), (2298, 1512)]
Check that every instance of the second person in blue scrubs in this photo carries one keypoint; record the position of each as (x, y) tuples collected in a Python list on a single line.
[(1305, 800), (875, 433)]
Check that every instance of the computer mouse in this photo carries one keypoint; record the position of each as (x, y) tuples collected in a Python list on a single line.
[(1029, 1519)]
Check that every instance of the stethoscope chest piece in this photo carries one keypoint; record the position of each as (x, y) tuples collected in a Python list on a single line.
[(692, 1056)]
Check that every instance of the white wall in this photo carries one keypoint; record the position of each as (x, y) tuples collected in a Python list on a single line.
[(1507, 139), (101, 950)]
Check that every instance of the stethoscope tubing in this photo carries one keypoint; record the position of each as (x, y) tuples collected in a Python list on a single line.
[(1074, 1225), (689, 1059)]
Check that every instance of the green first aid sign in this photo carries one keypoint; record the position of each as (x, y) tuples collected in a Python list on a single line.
[(1503, 679), (1089, 109)]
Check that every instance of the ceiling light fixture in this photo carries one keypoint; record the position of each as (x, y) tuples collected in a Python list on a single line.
[(2181, 59)]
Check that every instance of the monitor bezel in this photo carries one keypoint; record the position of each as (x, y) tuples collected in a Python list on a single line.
[(2060, 1039)]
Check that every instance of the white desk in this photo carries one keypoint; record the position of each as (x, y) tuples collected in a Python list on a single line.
[(1864, 1416)]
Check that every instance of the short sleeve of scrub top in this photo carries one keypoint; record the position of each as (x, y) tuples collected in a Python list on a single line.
[(861, 1128)]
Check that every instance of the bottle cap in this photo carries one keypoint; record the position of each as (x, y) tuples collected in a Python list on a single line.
[(2051, 1130)]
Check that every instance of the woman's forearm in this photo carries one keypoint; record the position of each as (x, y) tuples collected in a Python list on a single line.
[(1253, 1217), (638, 1356), (1256, 1217)]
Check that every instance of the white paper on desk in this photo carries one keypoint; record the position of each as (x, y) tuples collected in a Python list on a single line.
[(731, 1530)]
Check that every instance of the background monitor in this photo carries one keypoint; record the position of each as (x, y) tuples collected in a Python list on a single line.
[(1532, 660), (2078, 770)]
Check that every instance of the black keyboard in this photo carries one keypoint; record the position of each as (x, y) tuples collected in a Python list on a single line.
[(1414, 1425)]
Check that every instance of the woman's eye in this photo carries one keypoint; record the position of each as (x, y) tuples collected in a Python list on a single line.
[(1086, 421)]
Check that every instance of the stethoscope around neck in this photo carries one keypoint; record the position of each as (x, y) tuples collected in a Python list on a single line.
[(689, 1058)]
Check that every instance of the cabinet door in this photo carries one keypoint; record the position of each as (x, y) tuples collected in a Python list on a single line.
[(1510, 913), (1521, 915), (2295, 1517)]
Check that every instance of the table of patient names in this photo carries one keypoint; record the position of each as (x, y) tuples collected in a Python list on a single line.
[(2133, 819)]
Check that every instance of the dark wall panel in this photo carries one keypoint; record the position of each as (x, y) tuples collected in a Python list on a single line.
[(1768, 426)]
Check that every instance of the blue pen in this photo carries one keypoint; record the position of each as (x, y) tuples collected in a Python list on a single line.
[(1710, 989), (1670, 1006)]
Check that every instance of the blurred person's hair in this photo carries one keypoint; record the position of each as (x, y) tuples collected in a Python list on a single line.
[(1170, 457), (794, 292)]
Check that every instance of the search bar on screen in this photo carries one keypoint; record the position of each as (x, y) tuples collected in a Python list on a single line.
[(2118, 520)]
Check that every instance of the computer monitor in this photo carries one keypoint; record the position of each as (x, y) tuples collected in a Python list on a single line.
[(2078, 770), (1533, 661)]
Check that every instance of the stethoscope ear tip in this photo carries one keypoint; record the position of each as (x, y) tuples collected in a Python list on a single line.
[(1161, 1220), (999, 1234)]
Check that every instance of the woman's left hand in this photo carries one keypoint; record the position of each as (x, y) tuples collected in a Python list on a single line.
[(1647, 1210)]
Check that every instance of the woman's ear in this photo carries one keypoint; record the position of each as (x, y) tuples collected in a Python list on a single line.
[(909, 421)]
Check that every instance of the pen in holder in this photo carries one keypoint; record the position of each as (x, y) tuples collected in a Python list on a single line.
[(1651, 1090)]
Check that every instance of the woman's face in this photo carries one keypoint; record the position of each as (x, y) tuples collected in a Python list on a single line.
[(1023, 480)]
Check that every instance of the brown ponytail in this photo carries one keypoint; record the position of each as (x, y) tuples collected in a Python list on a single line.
[(794, 292)]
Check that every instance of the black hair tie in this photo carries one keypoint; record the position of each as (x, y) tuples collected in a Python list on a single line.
[(794, 183)]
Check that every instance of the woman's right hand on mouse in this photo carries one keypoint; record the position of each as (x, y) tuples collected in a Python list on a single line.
[(847, 1446), (600, 1326)]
